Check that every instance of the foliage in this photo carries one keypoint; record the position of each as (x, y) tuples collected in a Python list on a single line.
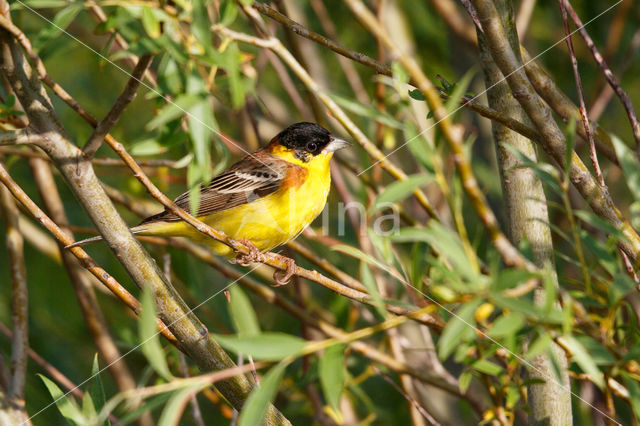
[(210, 100)]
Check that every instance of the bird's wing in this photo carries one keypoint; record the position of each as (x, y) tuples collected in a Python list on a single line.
[(251, 178)]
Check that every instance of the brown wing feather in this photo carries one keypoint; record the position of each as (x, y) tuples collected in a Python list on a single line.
[(253, 177)]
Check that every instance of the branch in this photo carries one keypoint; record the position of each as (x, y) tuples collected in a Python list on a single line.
[(547, 88), (19, 299), (453, 137), (554, 141), (125, 98), (583, 107), (82, 287), (611, 79), (192, 336), (18, 137), (85, 260), (313, 36)]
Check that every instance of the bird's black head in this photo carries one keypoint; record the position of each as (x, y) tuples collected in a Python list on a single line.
[(305, 137), (307, 140)]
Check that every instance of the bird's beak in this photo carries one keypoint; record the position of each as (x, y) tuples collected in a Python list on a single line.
[(335, 145)]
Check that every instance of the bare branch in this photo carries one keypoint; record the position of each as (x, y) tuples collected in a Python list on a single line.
[(611, 79), (554, 141), (19, 299), (583, 106), (125, 98)]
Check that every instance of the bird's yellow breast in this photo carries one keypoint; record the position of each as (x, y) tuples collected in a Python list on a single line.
[(269, 221)]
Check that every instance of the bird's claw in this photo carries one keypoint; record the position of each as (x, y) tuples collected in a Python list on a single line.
[(282, 277), (254, 254)]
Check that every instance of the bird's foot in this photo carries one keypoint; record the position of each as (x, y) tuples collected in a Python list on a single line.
[(254, 254), (282, 277)]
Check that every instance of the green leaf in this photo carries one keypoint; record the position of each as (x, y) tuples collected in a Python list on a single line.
[(258, 402), (629, 164), (417, 95), (148, 332), (459, 89), (150, 22), (583, 358), (96, 390), (201, 26), (445, 242), (487, 367), (88, 409), (359, 254), (174, 110), (465, 380), (264, 346), (174, 408), (506, 325), (332, 374), (67, 406), (242, 314), (368, 280), (59, 23), (599, 354), (539, 345), (619, 287), (634, 392), (459, 328), (366, 111), (398, 191), (421, 148)]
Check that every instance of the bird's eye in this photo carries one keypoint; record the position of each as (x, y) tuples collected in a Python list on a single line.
[(311, 146)]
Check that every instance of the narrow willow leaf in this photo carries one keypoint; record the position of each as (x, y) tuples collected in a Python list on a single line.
[(148, 333), (258, 402), (459, 328), (242, 313), (332, 374), (445, 242), (366, 111), (506, 325), (174, 408), (88, 408), (369, 282), (67, 406), (465, 380), (150, 22), (583, 358), (487, 367), (629, 165), (59, 23), (173, 110), (96, 389), (459, 89), (264, 346), (398, 191), (359, 254)]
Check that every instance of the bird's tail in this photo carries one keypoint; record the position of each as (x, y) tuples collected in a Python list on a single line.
[(97, 238)]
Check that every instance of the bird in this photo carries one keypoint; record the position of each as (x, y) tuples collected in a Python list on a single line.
[(264, 200)]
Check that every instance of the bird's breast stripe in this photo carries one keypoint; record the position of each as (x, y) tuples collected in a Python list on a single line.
[(295, 177)]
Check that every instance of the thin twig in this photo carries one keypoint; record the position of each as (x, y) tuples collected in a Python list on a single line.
[(86, 261), (82, 287), (554, 140), (453, 137), (406, 396), (611, 79), (583, 107), (19, 298), (336, 47), (195, 407), (112, 117)]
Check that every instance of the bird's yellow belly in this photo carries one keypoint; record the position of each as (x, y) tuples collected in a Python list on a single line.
[(267, 222)]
